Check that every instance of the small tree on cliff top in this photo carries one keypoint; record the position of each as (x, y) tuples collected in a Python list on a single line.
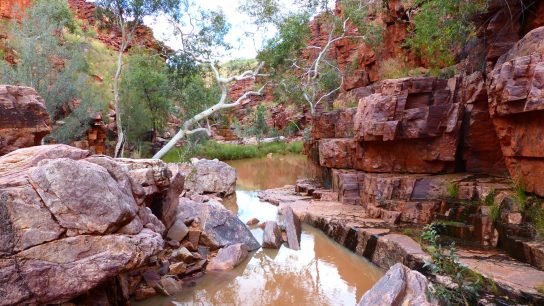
[(128, 15), (303, 71)]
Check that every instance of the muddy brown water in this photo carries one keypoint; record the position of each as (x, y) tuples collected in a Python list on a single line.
[(321, 273)]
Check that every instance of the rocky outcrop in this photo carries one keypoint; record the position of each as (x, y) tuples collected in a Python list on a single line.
[(10, 9), (516, 101), (24, 121), (71, 221), (399, 286), (360, 63), (408, 125), (218, 225), (207, 176)]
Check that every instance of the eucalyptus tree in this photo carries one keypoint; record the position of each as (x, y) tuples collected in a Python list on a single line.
[(53, 65), (196, 65), (127, 16), (303, 69)]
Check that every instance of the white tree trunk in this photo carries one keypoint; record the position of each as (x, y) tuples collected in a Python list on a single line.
[(120, 145), (222, 82)]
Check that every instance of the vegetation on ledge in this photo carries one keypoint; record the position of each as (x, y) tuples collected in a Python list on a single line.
[(222, 151)]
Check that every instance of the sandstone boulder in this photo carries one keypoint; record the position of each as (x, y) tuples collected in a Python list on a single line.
[(516, 101), (272, 237), (23, 118), (399, 286), (219, 226), (208, 176), (292, 228), (228, 258), (69, 222)]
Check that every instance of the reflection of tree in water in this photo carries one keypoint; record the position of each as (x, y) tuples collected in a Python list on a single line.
[(265, 282), (263, 173)]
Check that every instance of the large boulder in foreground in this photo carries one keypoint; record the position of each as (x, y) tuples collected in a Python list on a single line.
[(399, 286), (516, 105), (23, 118), (207, 176), (219, 226), (70, 221)]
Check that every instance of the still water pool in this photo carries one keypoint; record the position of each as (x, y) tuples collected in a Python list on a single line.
[(321, 273)]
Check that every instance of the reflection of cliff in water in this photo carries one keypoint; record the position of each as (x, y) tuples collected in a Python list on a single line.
[(276, 171), (322, 273)]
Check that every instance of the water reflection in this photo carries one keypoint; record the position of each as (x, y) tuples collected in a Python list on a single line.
[(276, 171), (321, 273)]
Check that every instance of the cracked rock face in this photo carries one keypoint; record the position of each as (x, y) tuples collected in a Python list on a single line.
[(516, 105), (399, 286), (219, 226), (208, 176), (23, 118), (69, 222)]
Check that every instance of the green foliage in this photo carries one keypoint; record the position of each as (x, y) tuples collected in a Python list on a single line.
[(445, 261), (453, 190), (520, 196), (259, 127), (262, 11), (197, 96), (442, 27), (293, 35), (291, 129), (144, 95), (495, 212), (536, 216), (396, 68), (212, 149), (357, 12), (56, 68)]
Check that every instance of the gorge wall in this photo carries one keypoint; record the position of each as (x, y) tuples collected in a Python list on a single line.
[(418, 149)]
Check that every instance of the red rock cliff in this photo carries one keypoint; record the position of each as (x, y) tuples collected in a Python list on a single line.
[(13, 8)]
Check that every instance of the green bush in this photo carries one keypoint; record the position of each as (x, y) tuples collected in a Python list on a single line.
[(221, 151), (453, 190), (445, 261), (442, 27)]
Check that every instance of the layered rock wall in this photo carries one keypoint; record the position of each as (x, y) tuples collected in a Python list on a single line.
[(516, 101)]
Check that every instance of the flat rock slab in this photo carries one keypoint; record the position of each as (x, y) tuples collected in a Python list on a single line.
[(510, 275), (228, 258), (280, 195), (292, 228), (272, 237)]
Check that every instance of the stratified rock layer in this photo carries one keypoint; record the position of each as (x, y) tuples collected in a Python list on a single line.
[(408, 125), (70, 221), (516, 101), (23, 118)]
